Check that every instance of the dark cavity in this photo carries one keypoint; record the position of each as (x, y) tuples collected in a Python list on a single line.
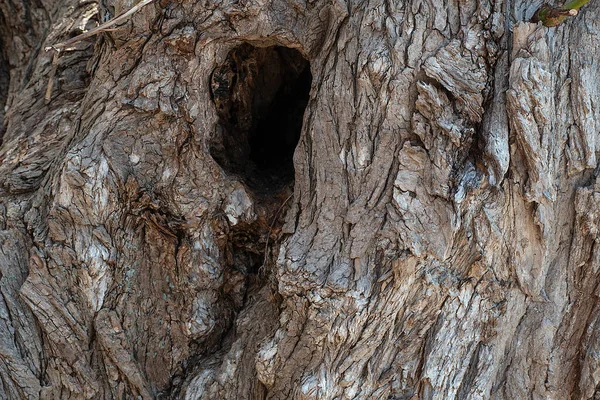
[(260, 94)]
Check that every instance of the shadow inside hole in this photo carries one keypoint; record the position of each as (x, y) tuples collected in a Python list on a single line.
[(260, 95)]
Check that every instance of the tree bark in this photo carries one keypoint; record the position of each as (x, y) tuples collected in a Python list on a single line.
[(435, 235)]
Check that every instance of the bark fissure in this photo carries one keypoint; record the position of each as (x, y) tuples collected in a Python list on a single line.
[(4, 84)]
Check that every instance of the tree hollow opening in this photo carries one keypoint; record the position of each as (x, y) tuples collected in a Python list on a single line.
[(260, 94)]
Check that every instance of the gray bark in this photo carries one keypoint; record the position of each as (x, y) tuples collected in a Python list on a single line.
[(439, 239)]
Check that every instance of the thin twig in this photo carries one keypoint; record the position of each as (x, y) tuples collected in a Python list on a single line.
[(551, 16), (101, 28), (105, 27), (271, 228)]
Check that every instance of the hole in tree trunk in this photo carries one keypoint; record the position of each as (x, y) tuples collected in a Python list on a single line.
[(260, 95)]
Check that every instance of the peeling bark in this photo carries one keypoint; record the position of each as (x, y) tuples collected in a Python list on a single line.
[(299, 200)]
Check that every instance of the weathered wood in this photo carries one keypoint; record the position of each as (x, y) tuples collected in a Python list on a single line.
[(439, 239)]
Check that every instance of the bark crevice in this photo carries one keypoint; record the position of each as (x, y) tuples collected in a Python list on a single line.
[(4, 84)]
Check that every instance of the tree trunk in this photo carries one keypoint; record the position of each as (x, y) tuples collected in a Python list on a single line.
[(299, 200)]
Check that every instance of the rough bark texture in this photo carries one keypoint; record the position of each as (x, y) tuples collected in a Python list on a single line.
[(439, 240)]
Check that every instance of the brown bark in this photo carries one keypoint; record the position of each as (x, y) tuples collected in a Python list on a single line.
[(433, 237)]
